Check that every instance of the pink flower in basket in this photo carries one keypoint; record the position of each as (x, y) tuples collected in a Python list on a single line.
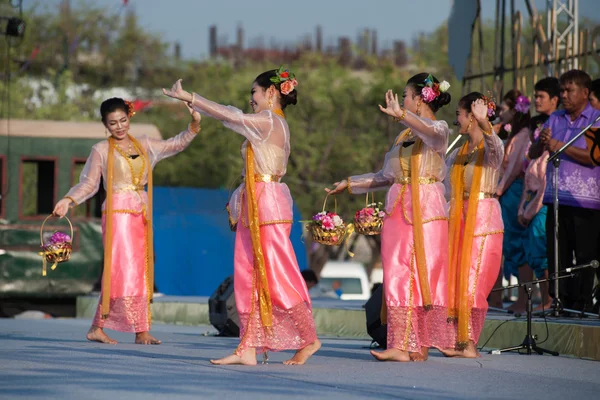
[(58, 238), (370, 213), (328, 221)]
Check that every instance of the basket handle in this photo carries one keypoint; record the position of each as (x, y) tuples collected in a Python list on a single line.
[(334, 202), (42, 228), (367, 198)]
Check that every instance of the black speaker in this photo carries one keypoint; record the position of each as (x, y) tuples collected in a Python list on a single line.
[(374, 327), (222, 312)]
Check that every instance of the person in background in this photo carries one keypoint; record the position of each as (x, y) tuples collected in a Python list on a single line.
[(578, 190)]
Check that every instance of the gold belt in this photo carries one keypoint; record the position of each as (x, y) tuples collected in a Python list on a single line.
[(133, 188), (482, 195), (266, 178), (422, 180)]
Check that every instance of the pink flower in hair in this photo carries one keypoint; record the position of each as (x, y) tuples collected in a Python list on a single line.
[(428, 94), (287, 87)]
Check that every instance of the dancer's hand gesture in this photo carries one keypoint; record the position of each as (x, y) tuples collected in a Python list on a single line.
[(480, 110), (177, 92), (392, 105), (339, 187), (196, 117)]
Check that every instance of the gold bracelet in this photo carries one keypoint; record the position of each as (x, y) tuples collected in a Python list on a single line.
[(348, 187), (192, 130), (72, 200), (193, 98), (400, 118), (491, 129)]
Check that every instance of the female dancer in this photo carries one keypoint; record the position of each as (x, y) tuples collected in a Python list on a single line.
[(476, 228), (125, 165), (416, 222), (271, 295)]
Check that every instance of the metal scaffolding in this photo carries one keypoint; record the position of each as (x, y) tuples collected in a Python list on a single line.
[(562, 28)]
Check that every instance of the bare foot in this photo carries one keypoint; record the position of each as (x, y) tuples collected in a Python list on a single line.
[(423, 355), (145, 338), (247, 358), (469, 352), (96, 334), (304, 354), (391, 355)]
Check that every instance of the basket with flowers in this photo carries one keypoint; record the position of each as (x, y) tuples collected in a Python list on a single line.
[(327, 227), (57, 248), (369, 220)]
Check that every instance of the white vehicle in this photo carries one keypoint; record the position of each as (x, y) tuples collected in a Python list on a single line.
[(376, 276), (348, 278)]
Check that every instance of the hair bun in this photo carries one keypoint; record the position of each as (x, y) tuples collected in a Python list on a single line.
[(444, 98), (289, 99)]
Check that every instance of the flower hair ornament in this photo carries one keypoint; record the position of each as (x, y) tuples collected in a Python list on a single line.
[(431, 90), (130, 112), (491, 105), (522, 105), (285, 80)]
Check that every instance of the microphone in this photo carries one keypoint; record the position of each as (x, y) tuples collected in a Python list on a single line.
[(594, 264)]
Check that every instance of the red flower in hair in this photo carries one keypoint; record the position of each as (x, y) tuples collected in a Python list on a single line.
[(284, 74), (130, 109)]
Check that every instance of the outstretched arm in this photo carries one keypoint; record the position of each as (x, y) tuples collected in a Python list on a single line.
[(255, 127), (161, 149), (89, 182)]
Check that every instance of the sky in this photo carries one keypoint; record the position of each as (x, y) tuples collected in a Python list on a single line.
[(188, 21)]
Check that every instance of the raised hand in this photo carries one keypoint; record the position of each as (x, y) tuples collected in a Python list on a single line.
[(392, 105), (177, 92), (480, 110), (339, 187), (196, 116)]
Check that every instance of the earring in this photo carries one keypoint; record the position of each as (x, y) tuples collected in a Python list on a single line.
[(470, 123), (271, 102), (418, 108), (105, 132)]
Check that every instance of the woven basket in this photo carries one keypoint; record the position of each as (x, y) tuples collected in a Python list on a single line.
[(327, 237), (369, 228), (57, 252)]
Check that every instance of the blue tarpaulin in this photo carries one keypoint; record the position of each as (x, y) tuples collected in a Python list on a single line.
[(192, 241)]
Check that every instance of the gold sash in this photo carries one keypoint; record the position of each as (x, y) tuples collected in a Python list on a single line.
[(460, 250), (262, 286)]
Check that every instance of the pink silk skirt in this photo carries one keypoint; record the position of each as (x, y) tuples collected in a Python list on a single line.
[(486, 257), (129, 300), (293, 323), (409, 326)]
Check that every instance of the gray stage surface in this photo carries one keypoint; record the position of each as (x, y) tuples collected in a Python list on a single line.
[(50, 359)]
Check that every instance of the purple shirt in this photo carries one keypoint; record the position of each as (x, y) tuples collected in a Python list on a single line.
[(578, 185)]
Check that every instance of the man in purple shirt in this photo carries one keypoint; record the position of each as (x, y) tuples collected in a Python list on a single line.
[(578, 189)]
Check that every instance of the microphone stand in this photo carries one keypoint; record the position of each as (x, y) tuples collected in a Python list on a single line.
[(555, 160), (529, 343)]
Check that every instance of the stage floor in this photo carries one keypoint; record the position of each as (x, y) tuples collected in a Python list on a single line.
[(50, 359), (347, 319)]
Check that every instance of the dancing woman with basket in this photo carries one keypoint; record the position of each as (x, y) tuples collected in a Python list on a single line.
[(415, 230), (125, 165), (271, 295)]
